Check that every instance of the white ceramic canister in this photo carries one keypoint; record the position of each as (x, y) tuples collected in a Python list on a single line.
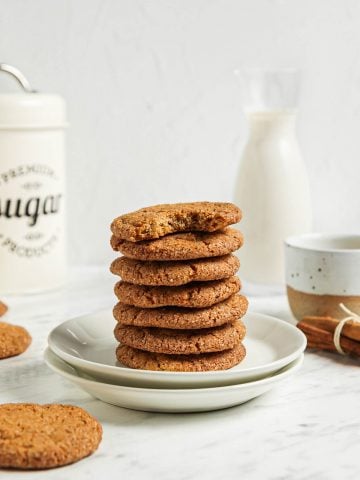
[(32, 190)]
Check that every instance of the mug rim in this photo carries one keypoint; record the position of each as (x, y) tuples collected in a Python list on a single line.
[(294, 241)]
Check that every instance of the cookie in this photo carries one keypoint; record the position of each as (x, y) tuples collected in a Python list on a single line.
[(36, 436), (179, 318), (133, 358), (13, 340), (175, 273), (3, 309), (195, 294), (181, 342), (160, 220), (181, 246)]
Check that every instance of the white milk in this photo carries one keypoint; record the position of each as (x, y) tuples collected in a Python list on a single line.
[(273, 191)]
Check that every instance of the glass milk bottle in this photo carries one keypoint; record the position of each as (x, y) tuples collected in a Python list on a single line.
[(272, 187), (32, 189)]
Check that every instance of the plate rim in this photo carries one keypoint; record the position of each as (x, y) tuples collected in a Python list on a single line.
[(180, 375), (293, 366)]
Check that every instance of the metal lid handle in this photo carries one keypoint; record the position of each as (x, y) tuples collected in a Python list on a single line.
[(19, 77)]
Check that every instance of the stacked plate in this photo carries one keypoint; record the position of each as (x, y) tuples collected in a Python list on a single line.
[(82, 350)]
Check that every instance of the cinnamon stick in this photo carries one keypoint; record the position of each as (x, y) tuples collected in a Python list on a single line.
[(322, 339), (3, 309), (350, 330)]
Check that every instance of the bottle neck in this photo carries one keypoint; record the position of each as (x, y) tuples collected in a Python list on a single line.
[(276, 122)]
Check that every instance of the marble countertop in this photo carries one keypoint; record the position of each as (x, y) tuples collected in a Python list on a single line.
[(308, 427)]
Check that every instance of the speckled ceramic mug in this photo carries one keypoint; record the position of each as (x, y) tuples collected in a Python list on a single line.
[(322, 271)]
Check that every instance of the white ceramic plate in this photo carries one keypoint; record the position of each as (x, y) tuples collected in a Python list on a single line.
[(174, 400), (87, 343)]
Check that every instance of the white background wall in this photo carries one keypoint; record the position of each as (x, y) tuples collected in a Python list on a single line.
[(155, 110)]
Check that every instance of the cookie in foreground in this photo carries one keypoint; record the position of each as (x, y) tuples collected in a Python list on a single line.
[(14, 340), (160, 220), (34, 436), (133, 358)]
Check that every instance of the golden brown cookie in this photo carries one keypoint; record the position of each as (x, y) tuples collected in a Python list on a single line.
[(13, 340), (181, 342), (179, 318), (133, 358), (193, 295), (181, 246), (36, 436), (175, 273), (159, 220), (3, 309)]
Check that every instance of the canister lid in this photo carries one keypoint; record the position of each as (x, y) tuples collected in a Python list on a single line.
[(29, 109)]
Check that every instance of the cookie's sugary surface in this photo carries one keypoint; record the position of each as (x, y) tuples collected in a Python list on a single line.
[(182, 246), (226, 311), (13, 340), (139, 359), (36, 436), (160, 220), (176, 272), (193, 295), (181, 342)]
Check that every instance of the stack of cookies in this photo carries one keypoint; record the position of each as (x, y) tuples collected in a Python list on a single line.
[(179, 307)]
